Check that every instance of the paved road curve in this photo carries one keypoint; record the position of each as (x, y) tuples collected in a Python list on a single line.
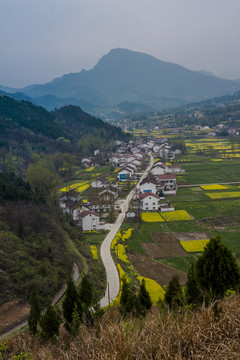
[(113, 284)]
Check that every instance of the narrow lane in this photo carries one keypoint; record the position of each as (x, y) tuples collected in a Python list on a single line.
[(113, 283)]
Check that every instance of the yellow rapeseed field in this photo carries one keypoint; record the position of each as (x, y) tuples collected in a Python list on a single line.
[(214, 187), (155, 290), (151, 217), (121, 254), (177, 215), (74, 186), (94, 251), (194, 245), (90, 168), (223, 195)]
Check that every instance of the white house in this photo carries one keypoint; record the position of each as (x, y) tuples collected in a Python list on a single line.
[(100, 183), (89, 220), (167, 181), (156, 148), (108, 194), (149, 201), (72, 207), (174, 169), (159, 169), (125, 174), (130, 214), (148, 185), (70, 195)]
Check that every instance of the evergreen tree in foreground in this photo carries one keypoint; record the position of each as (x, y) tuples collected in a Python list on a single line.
[(86, 292), (86, 298), (174, 295), (127, 299), (50, 322), (35, 311), (71, 300), (192, 289), (144, 298), (217, 270)]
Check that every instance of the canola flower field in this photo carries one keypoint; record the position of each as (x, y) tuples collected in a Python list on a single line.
[(151, 217), (121, 254), (155, 290), (94, 251), (177, 215), (214, 187), (223, 195), (79, 187), (194, 245)]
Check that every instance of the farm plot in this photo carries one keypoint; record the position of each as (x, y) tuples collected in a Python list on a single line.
[(214, 187), (154, 251), (155, 270), (151, 217), (194, 245), (191, 236), (177, 215), (222, 221), (210, 208), (169, 246), (223, 195)]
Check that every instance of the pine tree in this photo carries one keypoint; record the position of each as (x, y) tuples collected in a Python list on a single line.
[(71, 300), (35, 311), (86, 292), (192, 288), (144, 298), (174, 295), (76, 321), (217, 269), (50, 322), (127, 302)]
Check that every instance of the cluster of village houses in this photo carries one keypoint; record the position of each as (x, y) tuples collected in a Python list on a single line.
[(127, 161)]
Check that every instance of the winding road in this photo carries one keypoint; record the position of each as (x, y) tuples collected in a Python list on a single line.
[(113, 283)]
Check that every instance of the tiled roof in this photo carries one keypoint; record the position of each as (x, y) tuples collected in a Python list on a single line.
[(167, 177), (148, 180), (148, 193), (87, 212)]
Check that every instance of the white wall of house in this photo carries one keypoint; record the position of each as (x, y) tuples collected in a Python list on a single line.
[(158, 170), (90, 222), (98, 184), (150, 203), (148, 186)]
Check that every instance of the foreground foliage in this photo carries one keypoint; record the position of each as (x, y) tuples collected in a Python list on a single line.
[(160, 335)]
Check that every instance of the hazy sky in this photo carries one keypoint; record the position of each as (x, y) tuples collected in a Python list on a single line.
[(40, 40)]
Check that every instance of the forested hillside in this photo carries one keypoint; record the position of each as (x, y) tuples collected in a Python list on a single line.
[(32, 242), (28, 132)]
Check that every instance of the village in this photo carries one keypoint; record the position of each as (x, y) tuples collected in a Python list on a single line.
[(104, 196)]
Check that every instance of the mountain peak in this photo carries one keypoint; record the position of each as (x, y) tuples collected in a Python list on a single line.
[(126, 75)]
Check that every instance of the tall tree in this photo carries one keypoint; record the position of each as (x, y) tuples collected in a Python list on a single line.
[(174, 295), (35, 311), (144, 297), (192, 288), (86, 292), (50, 322), (71, 301), (127, 298), (217, 270)]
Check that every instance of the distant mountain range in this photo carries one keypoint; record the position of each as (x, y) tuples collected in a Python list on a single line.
[(124, 77)]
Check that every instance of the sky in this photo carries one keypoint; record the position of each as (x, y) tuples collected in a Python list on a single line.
[(42, 40)]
